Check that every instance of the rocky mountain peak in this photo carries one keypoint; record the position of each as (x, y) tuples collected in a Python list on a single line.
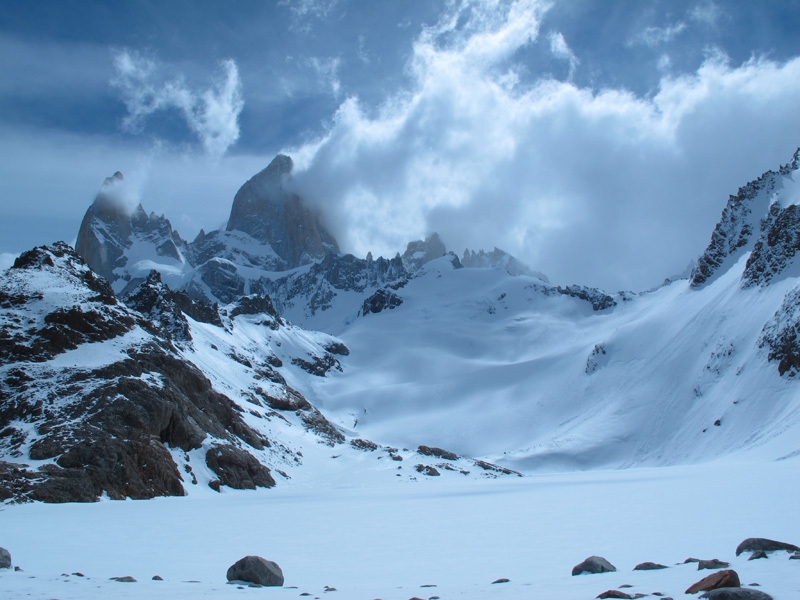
[(747, 217), (420, 252), (109, 230), (266, 211)]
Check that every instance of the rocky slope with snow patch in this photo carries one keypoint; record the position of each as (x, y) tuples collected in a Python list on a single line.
[(149, 396)]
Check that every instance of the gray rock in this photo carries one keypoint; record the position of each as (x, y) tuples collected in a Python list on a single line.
[(266, 210), (758, 554), (255, 569), (125, 579), (593, 564), (736, 594), (5, 559), (755, 544), (712, 564), (649, 566)]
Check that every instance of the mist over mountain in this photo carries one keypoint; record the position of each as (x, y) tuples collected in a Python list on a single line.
[(245, 350)]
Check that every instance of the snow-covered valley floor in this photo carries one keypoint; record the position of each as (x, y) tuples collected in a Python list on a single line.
[(370, 537)]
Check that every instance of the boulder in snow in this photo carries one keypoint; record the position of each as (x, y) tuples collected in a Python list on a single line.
[(754, 544), (593, 564), (711, 564), (649, 566), (255, 569), (721, 579), (614, 594), (5, 559), (736, 594)]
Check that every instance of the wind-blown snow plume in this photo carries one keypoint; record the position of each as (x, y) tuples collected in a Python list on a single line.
[(212, 114)]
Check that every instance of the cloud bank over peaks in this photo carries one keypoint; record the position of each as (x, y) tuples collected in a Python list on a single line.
[(592, 186), (212, 114)]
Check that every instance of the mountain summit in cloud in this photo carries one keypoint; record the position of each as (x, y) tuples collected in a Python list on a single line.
[(263, 209)]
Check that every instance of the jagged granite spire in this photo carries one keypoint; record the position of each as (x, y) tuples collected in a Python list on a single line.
[(265, 210), (109, 229)]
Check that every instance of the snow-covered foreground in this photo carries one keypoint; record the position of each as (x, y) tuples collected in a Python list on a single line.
[(380, 540)]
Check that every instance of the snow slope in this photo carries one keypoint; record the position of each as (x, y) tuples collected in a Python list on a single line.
[(485, 364)]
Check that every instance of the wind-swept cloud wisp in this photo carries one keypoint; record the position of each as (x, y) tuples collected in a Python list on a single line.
[(211, 114)]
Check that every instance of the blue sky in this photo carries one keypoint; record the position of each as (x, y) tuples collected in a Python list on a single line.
[(597, 141)]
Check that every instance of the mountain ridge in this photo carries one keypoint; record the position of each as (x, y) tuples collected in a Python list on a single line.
[(239, 376)]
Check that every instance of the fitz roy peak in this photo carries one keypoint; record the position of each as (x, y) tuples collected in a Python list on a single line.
[(141, 365), (263, 209)]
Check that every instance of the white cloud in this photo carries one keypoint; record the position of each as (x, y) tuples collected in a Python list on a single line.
[(656, 36), (560, 49), (327, 70), (212, 114), (595, 187), (315, 8), (708, 13)]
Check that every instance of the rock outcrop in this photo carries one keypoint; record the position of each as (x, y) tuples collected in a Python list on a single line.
[(781, 335), (740, 226), (105, 424)]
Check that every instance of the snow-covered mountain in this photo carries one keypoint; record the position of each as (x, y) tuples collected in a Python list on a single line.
[(245, 357), (150, 394)]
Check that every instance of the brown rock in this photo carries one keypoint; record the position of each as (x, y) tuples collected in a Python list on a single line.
[(721, 579), (615, 594)]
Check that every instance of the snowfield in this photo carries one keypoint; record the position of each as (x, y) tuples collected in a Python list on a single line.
[(370, 538), (489, 365)]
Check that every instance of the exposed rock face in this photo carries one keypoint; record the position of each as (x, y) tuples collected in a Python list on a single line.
[(237, 468), (499, 259), (598, 298), (255, 569), (263, 209), (105, 425), (738, 226), (427, 470), (765, 545), (420, 252), (109, 229), (317, 287), (381, 300), (437, 452), (593, 564), (774, 253), (720, 579), (781, 335), (157, 302)]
